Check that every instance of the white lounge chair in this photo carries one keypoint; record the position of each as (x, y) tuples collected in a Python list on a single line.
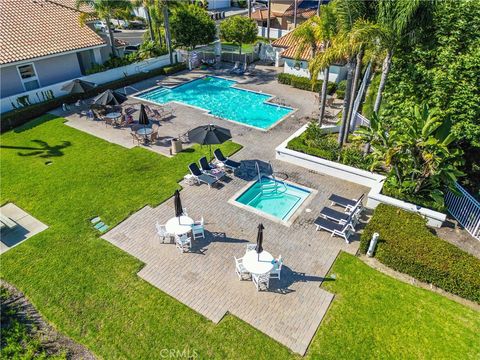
[(277, 269), (342, 217), (201, 177), (183, 243), (240, 270), (261, 281), (162, 232), (348, 204), (342, 230)]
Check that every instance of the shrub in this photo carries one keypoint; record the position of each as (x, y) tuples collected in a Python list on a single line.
[(304, 83), (341, 87), (17, 117), (408, 246)]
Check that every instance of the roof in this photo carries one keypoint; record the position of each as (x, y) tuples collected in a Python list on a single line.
[(290, 44), (261, 15), (36, 28)]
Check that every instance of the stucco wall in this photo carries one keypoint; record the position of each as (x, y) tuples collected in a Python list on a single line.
[(58, 68), (10, 81), (337, 73)]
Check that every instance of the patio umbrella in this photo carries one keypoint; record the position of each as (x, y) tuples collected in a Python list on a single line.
[(209, 135), (78, 86), (259, 247), (110, 97), (178, 205), (143, 118)]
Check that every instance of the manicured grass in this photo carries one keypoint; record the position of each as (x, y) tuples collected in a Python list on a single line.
[(376, 316), (90, 291)]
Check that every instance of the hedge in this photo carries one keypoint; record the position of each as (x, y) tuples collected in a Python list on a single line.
[(17, 117), (304, 83), (341, 87), (407, 245)]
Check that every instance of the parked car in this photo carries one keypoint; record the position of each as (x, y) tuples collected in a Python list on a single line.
[(136, 25), (100, 25), (131, 49)]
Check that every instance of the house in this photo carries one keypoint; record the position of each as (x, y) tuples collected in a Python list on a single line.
[(296, 63), (42, 43), (282, 13)]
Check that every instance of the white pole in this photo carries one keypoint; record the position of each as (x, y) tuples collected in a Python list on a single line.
[(373, 244)]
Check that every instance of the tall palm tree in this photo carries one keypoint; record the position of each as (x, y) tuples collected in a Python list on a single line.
[(317, 33), (104, 9), (399, 18), (147, 5)]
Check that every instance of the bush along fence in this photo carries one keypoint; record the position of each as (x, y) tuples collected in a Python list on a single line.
[(305, 83), (407, 245), (21, 115)]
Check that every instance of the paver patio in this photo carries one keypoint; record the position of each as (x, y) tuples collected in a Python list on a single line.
[(205, 279)]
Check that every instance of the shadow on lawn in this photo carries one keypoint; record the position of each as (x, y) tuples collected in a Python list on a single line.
[(43, 150)]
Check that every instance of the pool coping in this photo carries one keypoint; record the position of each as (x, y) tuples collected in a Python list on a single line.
[(293, 217), (208, 112)]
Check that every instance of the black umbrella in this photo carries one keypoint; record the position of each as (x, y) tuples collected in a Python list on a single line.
[(209, 135), (178, 205), (259, 247), (143, 119), (78, 86), (110, 97)]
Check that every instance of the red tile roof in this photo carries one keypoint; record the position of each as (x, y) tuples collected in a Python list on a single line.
[(261, 15), (35, 28), (290, 44)]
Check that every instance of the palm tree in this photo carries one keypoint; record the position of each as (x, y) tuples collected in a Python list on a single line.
[(104, 9), (317, 33), (396, 17), (147, 4)]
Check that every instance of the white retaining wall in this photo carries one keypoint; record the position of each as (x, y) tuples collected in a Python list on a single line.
[(274, 33), (348, 173), (98, 78)]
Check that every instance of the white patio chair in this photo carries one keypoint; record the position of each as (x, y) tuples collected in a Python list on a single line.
[(162, 232), (261, 281), (198, 229), (183, 243), (251, 247), (277, 269), (240, 270)]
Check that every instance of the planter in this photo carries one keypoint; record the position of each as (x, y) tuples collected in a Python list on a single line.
[(371, 180)]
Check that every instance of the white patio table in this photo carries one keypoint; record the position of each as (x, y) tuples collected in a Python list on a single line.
[(181, 227), (258, 263)]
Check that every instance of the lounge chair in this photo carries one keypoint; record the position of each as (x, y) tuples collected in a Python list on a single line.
[(210, 170), (201, 177), (250, 70), (348, 204), (341, 217), (230, 164), (235, 67), (342, 230)]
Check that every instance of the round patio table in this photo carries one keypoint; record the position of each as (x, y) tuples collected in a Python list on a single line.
[(258, 263), (181, 227), (113, 115), (144, 131)]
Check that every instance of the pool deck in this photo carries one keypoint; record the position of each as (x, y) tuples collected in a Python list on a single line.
[(204, 279)]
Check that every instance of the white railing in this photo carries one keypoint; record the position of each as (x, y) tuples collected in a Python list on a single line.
[(466, 209), (359, 98)]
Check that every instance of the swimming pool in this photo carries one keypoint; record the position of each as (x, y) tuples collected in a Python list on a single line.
[(274, 198), (220, 98)]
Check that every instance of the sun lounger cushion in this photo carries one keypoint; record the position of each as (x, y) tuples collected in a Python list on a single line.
[(339, 200), (329, 225), (204, 164), (334, 214), (207, 179), (230, 163)]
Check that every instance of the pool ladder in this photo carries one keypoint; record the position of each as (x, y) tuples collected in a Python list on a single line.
[(270, 189)]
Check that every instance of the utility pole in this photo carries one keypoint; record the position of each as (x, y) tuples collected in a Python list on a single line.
[(268, 19), (294, 14)]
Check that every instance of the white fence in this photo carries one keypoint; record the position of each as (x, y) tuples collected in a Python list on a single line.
[(35, 96), (274, 33), (466, 209)]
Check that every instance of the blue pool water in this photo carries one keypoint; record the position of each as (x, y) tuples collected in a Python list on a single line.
[(273, 197), (217, 96)]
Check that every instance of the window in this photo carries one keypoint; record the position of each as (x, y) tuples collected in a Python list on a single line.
[(28, 76)]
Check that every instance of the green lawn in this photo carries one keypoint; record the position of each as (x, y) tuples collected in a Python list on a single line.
[(90, 291)]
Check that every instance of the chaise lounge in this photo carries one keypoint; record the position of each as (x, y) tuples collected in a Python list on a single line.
[(230, 164), (343, 230), (201, 177)]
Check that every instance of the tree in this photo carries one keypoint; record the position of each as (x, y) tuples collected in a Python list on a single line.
[(400, 18), (239, 30), (417, 155), (317, 33), (191, 26), (147, 4), (104, 9)]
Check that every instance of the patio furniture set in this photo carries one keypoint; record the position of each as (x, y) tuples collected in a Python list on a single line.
[(258, 267), (210, 173), (340, 223), (182, 230)]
